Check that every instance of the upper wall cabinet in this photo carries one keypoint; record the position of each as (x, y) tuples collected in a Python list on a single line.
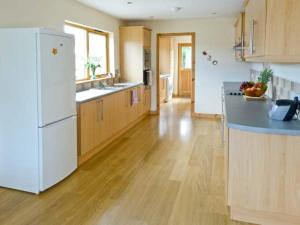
[(272, 31), (134, 42), (240, 37), (147, 39)]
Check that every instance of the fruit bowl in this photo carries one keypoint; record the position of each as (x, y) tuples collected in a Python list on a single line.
[(254, 90)]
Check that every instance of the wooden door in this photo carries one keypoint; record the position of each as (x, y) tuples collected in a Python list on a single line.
[(185, 69), (255, 28), (163, 89)]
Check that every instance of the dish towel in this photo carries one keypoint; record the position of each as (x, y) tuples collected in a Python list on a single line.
[(134, 97)]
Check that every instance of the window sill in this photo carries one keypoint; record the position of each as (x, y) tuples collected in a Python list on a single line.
[(93, 80)]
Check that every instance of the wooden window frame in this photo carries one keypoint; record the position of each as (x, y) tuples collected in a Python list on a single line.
[(94, 31)]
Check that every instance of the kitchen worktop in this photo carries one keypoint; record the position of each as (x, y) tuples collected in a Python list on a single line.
[(91, 94), (253, 116)]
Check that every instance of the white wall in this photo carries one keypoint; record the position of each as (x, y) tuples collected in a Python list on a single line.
[(215, 36), (287, 71), (52, 14)]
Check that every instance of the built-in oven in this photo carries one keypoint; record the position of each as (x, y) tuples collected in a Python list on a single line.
[(147, 77), (147, 59)]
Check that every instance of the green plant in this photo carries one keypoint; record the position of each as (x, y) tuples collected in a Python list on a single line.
[(265, 76), (92, 66)]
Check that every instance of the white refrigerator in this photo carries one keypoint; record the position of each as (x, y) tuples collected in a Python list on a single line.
[(38, 140)]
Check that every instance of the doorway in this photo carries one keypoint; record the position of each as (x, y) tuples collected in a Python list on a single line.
[(175, 68)]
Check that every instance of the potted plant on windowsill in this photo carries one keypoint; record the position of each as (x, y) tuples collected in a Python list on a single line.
[(92, 65)]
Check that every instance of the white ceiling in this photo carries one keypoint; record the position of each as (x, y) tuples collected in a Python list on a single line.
[(162, 9)]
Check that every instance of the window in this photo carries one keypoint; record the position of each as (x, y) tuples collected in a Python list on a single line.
[(186, 57), (90, 46)]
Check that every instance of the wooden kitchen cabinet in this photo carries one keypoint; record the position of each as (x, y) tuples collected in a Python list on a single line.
[(240, 37), (272, 31), (134, 40), (88, 126), (102, 120), (106, 120), (147, 38), (147, 100), (283, 30), (255, 28)]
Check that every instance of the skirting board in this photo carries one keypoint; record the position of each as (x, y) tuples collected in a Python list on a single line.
[(153, 113), (207, 116)]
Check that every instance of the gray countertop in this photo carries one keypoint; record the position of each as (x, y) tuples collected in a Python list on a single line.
[(91, 94), (253, 116)]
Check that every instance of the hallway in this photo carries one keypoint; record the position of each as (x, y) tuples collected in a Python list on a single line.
[(167, 170)]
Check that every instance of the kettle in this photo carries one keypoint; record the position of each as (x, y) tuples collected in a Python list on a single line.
[(284, 109)]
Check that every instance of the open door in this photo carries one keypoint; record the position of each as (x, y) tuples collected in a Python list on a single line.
[(185, 70)]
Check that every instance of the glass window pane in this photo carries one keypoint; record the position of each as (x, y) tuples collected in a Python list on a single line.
[(97, 52), (187, 57), (80, 50)]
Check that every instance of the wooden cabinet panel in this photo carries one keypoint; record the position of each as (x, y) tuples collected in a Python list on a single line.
[(272, 31), (264, 181), (88, 126), (239, 36), (255, 28), (106, 120), (133, 41), (131, 54), (283, 28), (148, 99), (101, 119), (147, 39)]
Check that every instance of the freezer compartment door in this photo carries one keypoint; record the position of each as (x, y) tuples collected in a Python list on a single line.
[(58, 152), (56, 78)]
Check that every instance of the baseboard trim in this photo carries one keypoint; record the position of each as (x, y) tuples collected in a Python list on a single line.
[(206, 116), (263, 217), (153, 113)]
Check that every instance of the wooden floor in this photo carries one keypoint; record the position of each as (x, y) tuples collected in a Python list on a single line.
[(167, 170)]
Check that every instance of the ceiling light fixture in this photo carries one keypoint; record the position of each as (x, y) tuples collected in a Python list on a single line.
[(176, 9), (129, 3)]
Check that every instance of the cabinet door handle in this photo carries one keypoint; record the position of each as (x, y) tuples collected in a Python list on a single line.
[(98, 111), (125, 99), (102, 116), (252, 50), (128, 98)]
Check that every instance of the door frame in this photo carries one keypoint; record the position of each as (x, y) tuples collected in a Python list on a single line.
[(193, 37), (180, 45)]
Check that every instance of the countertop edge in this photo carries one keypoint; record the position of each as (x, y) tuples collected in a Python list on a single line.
[(110, 93), (261, 130), (255, 129)]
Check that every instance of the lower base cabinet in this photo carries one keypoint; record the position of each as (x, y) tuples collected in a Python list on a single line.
[(102, 119), (262, 177)]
